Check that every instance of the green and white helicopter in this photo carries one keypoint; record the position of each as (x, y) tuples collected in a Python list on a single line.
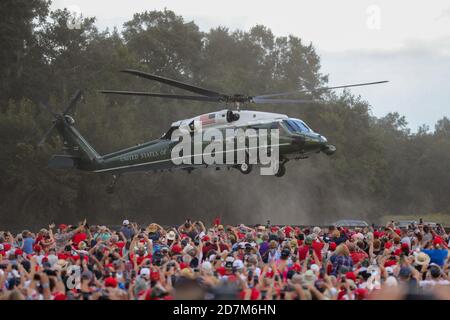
[(296, 139)]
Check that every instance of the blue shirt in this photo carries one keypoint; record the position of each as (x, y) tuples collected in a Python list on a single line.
[(437, 256), (28, 245)]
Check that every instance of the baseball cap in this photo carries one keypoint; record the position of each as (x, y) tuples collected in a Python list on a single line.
[(125, 222), (111, 282), (314, 267), (145, 272), (238, 264)]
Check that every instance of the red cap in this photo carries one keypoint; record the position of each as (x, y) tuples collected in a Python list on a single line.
[(405, 245), (361, 293), (62, 226), (37, 248), (6, 246), (205, 238), (388, 245), (390, 263), (287, 230), (18, 252), (438, 241), (183, 265), (176, 249), (350, 275), (398, 231), (332, 246), (110, 282)]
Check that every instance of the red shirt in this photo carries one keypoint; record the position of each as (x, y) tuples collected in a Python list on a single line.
[(304, 249), (78, 237), (120, 245), (211, 246), (253, 296), (358, 256), (139, 259)]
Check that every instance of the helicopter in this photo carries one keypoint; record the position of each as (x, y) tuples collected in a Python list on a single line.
[(296, 139)]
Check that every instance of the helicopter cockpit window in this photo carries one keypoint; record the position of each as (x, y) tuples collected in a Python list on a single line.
[(168, 134), (296, 126)]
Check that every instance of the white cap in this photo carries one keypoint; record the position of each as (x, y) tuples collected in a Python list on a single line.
[(171, 235), (125, 222), (145, 272), (229, 259), (315, 267), (206, 267), (238, 264)]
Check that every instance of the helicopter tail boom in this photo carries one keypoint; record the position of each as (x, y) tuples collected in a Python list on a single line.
[(77, 151)]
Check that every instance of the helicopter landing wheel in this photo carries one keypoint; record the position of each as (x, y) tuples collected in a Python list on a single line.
[(112, 186), (281, 171), (245, 168)]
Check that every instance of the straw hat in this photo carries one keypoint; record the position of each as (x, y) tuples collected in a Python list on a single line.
[(422, 258)]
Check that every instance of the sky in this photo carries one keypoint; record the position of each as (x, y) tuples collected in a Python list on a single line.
[(405, 42)]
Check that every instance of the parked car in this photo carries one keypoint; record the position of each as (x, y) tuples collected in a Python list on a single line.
[(403, 224), (351, 223)]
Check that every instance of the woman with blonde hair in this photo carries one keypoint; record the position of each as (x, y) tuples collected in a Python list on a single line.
[(341, 260)]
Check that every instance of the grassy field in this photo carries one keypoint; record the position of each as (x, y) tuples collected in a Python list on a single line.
[(441, 218)]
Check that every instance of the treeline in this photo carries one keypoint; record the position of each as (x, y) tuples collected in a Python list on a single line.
[(380, 166)]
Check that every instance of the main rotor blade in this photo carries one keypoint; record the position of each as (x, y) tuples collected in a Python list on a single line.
[(73, 102), (159, 95), (46, 135), (47, 107), (282, 101), (321, 89), (174, 83)]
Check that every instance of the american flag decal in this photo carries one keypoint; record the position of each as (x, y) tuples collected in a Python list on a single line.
[(208, 119)]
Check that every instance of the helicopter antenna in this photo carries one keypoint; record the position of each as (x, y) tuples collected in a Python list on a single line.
[(206, 95)]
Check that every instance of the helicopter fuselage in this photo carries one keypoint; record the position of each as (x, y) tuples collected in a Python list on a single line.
[(296, 141)]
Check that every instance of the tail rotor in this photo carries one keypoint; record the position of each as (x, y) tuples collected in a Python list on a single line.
[(60, 117)]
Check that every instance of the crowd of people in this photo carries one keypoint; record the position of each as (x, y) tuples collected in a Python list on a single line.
[(193, 261)]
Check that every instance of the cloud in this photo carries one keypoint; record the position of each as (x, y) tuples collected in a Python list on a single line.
[(417, 72), (445, 14)]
